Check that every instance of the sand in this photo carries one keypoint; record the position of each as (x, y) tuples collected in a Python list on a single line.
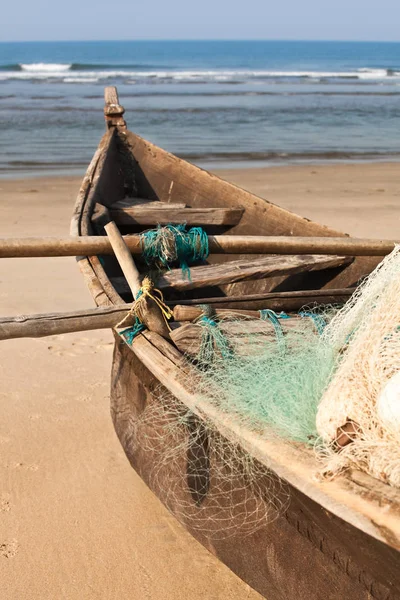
[(76, 522)]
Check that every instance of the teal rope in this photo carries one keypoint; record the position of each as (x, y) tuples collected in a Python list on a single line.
[(130, 333), (172, 243), (267, 314), (318, 320), (211, 338)]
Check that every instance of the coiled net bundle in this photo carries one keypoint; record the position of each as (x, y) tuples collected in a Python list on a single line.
[(365, 390)]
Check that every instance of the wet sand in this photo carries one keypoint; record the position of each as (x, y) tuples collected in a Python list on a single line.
[(75, 520)]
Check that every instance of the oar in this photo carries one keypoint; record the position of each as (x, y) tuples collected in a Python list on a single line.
[(218, 244), (36, 326), (42, 325), (151, 315)]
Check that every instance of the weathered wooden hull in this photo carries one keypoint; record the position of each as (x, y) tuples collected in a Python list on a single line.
[(332, 540), (307, 552)]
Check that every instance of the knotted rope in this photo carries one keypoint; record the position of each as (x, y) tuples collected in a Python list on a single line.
[(172, 243), (138, 310)]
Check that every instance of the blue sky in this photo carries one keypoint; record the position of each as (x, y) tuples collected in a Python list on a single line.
[(208, 19)]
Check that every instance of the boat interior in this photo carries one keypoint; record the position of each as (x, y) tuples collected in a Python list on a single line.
[(140, 186)]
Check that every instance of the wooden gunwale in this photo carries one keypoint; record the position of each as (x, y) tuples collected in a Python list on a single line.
[(90, 266)]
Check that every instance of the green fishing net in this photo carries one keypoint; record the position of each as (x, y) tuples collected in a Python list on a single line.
[(267, 373)]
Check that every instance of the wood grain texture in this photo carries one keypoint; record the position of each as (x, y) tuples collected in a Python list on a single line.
[(42, 325), (124, 257), (163, 214), (133, 202), (188, 336), (113, 111), (226, 244), (243, 270), (189, 313)]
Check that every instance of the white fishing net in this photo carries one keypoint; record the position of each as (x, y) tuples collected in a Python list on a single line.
[(365, 390), (208, 482)]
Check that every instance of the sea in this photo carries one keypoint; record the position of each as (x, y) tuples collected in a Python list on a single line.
[(216, 103)]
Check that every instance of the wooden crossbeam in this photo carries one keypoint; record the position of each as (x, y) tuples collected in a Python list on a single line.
[(188, 337), (133, 202), (157, 213), (243, 270), (42, 325), (240, 270)]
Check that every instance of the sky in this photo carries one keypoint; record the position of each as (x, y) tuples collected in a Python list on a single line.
[(26, 20)]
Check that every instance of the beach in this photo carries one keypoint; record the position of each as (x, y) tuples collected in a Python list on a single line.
[(76, 522)]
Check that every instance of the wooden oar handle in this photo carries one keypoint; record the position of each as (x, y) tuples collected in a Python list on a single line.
[(218, 244), (124, 258), (151, 315)]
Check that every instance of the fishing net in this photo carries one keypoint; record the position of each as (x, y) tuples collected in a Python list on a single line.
[(364, 394), (207, 481), (268, 374), (304, 378)]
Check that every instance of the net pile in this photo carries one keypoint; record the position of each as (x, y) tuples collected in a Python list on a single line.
[(365, 390), (301, 378), (267, 373)]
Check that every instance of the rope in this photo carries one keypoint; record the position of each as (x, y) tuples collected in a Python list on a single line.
[(149, 291), (267, 314), (130, 333), (211, 337), (138, 310), (319, 321), (172, 243)]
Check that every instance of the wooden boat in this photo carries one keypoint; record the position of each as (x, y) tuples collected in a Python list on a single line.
[(336, 539)]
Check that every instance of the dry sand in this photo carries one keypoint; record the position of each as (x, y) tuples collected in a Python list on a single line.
[(76, 522)]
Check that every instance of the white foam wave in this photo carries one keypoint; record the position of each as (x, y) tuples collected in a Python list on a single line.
[(45, 67), (373, 73), (57, 72), (80, 79)]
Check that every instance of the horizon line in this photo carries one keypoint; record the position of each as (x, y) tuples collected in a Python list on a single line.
[(220, 40)]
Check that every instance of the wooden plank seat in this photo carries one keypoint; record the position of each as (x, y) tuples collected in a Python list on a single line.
[(240, 270), (163, 213), (132, 202), (187, 337)]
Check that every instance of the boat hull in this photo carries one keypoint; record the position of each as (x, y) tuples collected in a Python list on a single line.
[(305, 552)]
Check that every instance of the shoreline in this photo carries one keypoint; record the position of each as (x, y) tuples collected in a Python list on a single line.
[(230, 164)]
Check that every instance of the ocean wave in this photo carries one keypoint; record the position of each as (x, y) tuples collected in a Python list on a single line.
[(110, 66), (90, 73), (45, 67), (80, 80)]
